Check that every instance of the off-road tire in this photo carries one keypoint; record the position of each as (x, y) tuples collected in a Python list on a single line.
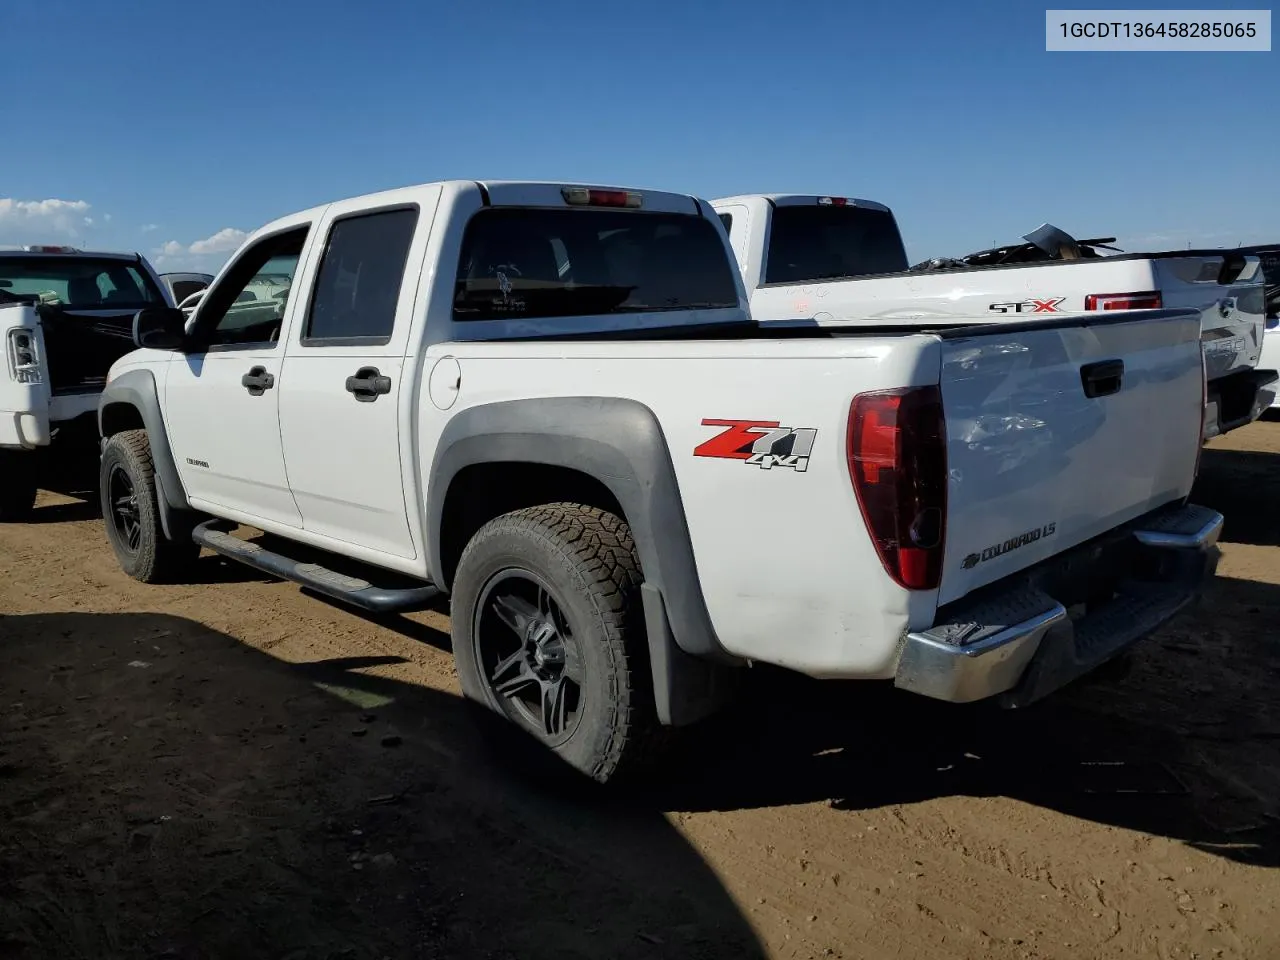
[(17, 486), (156, 559), (588, 558)]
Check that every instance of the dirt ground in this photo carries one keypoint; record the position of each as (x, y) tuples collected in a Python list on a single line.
[(234, 769)]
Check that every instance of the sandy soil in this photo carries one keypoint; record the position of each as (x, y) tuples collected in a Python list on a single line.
[(232, 768)]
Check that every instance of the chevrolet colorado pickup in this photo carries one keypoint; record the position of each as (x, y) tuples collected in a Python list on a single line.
[(550, 403), (841, 261), (65, 316)]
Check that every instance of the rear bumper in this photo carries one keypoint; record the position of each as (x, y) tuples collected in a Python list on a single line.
[(1239, 399), (23, 430), (1025, 638)]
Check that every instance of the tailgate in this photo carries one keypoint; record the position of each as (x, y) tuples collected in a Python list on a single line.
[(1228, 291), (1059, 431)]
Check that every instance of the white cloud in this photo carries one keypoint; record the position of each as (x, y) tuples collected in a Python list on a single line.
[(31, 221), (224, 241), (206, 255), (88, 221), (150, 227), (106, 217)]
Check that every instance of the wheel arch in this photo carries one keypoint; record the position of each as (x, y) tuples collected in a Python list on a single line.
[(131, 401), (606, 452)]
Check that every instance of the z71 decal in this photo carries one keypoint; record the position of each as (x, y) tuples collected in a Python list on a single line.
[(1049, 305), (760, 443)]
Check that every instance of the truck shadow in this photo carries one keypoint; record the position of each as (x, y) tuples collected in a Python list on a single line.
[(167, 791), (1244, 486), (1185, 745)]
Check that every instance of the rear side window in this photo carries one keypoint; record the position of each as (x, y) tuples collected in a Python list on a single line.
[(358, 285), (520, 263), (727, 220), (832, 243)]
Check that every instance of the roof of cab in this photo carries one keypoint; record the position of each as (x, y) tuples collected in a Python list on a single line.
[(301, 216), (797, 199)]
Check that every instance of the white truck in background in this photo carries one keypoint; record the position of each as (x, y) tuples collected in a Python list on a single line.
[(549, 401), (65, 316), (840, 261)]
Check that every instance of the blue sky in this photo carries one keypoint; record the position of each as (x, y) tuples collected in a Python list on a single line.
[(168, 128)]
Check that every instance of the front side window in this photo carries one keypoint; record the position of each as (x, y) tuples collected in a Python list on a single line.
[(358, 284), (520, 264), (247, 308)]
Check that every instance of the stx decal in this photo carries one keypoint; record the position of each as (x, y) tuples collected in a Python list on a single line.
[(1013, 543), (1029, 306), (760, 443)]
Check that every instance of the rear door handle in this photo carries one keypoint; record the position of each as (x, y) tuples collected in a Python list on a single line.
[(1103, 378), (368, 384), (257, 381)]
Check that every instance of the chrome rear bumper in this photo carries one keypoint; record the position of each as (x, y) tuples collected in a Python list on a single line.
[(1019, 642)]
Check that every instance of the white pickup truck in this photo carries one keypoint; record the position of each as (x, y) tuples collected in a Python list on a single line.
[(841, 261), (549, 401), (65, 316)]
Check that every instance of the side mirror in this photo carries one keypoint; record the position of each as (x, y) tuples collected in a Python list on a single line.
[(159, 328)]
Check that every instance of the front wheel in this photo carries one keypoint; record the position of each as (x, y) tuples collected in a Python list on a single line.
[(17, 485), (131, 512), (548, 635)]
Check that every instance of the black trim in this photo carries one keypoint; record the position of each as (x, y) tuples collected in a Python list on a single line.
[(618, 443), (484, 194), (960, 330), (236, 347), (137, 389)]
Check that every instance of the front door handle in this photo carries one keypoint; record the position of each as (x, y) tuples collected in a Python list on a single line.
[(1103, 378), (368, 384), (257, 381)]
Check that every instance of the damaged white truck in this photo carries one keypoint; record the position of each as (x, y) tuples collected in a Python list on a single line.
[(549, 402), (65, 316)]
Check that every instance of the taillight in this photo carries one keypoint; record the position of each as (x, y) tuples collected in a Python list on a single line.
[(1150, 300), (586, 197), (833, 201), (24, 356), (897, 451)]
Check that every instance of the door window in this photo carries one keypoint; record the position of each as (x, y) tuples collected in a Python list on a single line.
[(247, 308), (358, 283)]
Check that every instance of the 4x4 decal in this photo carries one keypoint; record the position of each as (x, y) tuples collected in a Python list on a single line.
[(761, 443)]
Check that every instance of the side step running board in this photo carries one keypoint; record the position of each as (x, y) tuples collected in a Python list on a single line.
[(351, 590)]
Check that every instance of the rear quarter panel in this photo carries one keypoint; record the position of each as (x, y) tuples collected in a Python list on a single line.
[(787, 569)]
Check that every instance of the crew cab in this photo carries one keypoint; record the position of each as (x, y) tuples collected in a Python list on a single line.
[(549, 402), (65, 316), (841, 261)]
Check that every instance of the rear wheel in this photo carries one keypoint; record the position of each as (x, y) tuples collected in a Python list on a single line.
[(548, 636), (17, 486), (131, 512)]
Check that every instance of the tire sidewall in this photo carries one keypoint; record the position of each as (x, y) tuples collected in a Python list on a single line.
[(137, 563), (604, 699)]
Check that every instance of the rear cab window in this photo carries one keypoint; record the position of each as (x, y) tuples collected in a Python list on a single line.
[(521, 263), (813, 243)]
